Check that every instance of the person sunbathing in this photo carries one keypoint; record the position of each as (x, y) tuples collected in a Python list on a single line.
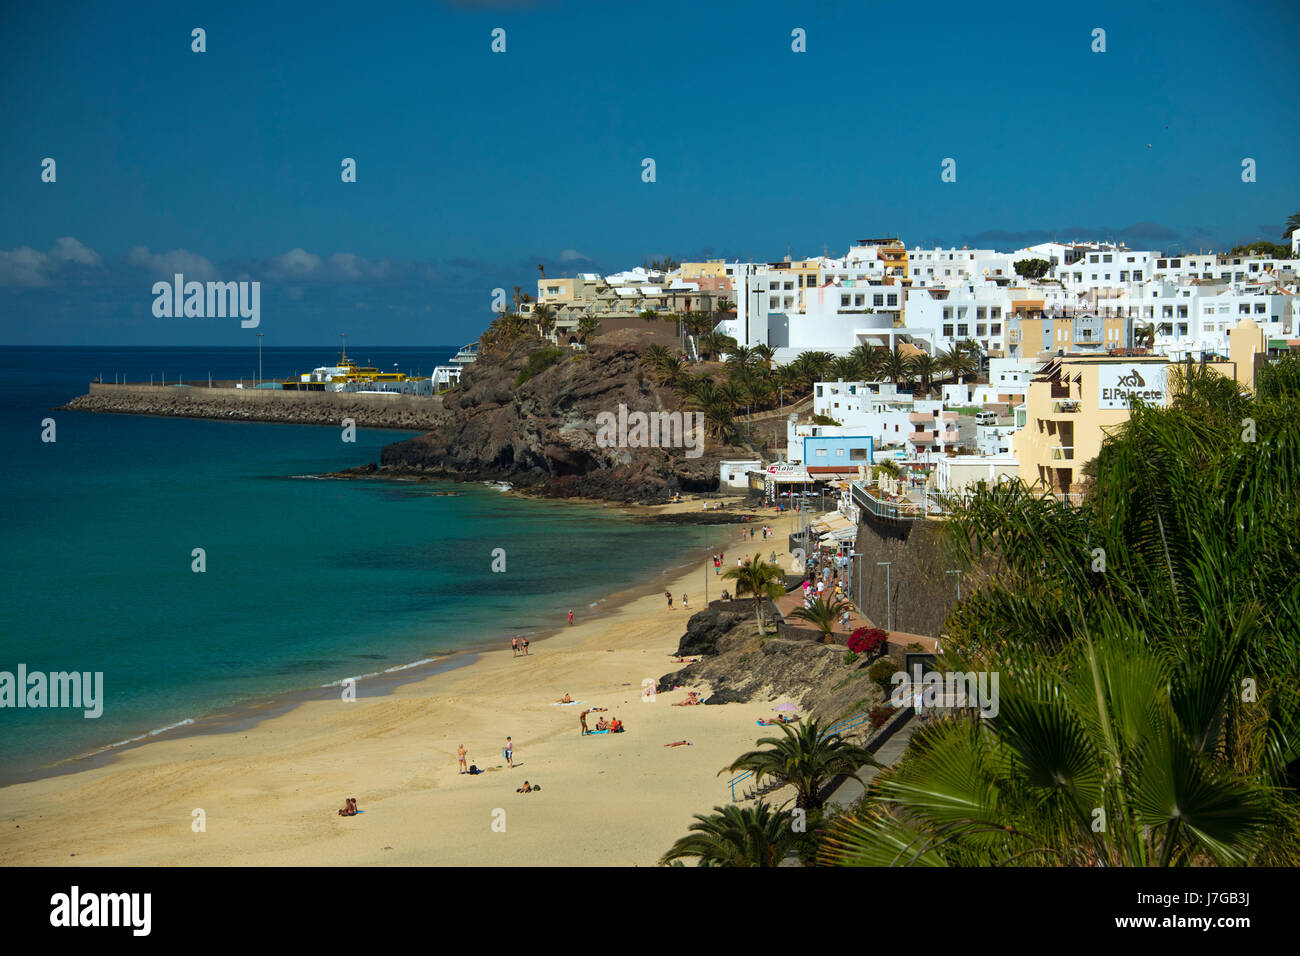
[(692, 698), (525, 788), (679, 743), (566, 699), (599, 710), (602, 724), (775, 720), (616, 727), (349, 807)]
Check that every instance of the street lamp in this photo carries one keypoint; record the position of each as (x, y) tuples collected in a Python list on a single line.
[(889, 598)]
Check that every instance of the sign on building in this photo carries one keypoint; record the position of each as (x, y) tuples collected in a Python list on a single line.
[(1120, 383)]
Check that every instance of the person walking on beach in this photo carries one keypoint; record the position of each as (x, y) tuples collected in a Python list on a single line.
[(582, 719), (509, 753), (524, 644), (669, 595), (460, 754), (685, 607), (514, 644), (570, 617)]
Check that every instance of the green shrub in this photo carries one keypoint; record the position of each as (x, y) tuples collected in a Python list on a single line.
[(537, 363), (882, 672), (850, 658)]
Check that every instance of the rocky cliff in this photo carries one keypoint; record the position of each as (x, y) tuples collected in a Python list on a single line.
[(738, 666), (540, 434)]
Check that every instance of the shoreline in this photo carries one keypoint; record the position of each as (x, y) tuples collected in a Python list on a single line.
[(254, 710), (72, 809)]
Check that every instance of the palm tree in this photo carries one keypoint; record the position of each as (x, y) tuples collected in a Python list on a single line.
[(957, 364), (846, 369), (740, 357), (806, 757), (823, 615), (670, 371), (1144, 336), (656, 355), (760, 579), (926, 368), (713, 344), (1292, 224), (544, 317), (738, 836), (588, 325), (870, 359), (1103, 756), (898, 366), (763, 355)]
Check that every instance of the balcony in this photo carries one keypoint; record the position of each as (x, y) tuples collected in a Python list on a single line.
[(922, 438), (920, 418), (1060, 391), (1068, 406), (1063, 453)]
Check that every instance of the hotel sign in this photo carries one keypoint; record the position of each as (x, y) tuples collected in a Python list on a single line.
[(1119, 384)]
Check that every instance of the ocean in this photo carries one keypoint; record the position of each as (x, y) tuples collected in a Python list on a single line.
[(306, 581)]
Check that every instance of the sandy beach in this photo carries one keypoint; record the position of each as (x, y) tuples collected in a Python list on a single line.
[(269, 793)]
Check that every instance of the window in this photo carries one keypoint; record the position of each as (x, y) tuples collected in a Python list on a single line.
[(877, 300), (820, 452), (1107, 258), (1260, 308), (947, 331), (995, 328), (962, 330), (995, 312), (858, 454), (1123, 276), (893, 299), (1137, 275), (844, 302), (839, 452), (858, 300)]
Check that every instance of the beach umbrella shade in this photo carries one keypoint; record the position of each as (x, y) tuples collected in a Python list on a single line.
[(785, 706)]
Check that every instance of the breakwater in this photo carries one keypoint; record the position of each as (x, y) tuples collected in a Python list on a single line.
[(226, 403)]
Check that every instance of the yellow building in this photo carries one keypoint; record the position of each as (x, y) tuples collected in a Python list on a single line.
[(712, 269), (1075, 400)]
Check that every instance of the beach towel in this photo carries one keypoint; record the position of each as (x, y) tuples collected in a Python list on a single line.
[(592, 733), (572, 703)]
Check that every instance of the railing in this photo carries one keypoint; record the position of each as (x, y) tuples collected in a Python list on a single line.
[(1063, 453), (1065, 407), (886, 509)]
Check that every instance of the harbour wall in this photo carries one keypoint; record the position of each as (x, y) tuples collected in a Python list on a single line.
[(225, 403)]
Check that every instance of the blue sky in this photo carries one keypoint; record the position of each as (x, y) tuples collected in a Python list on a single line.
[(473, 167)]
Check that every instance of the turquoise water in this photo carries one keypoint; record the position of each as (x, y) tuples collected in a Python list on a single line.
[(307, 581)]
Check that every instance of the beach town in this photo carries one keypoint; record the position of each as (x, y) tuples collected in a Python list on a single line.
[(812, 637)]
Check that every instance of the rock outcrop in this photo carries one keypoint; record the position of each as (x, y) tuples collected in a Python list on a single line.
[(540, 434), (740, 667)]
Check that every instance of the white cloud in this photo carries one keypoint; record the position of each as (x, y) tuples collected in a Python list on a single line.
[(164, 265), (573, 255), (294, 264), (68, 249), (25, 266)]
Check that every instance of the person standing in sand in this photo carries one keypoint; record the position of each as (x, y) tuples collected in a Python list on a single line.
[(524, 644), (570, 617), (460, 754), (514, 644), (509, 753), (669, 596), (582, 719), (685, 606)]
